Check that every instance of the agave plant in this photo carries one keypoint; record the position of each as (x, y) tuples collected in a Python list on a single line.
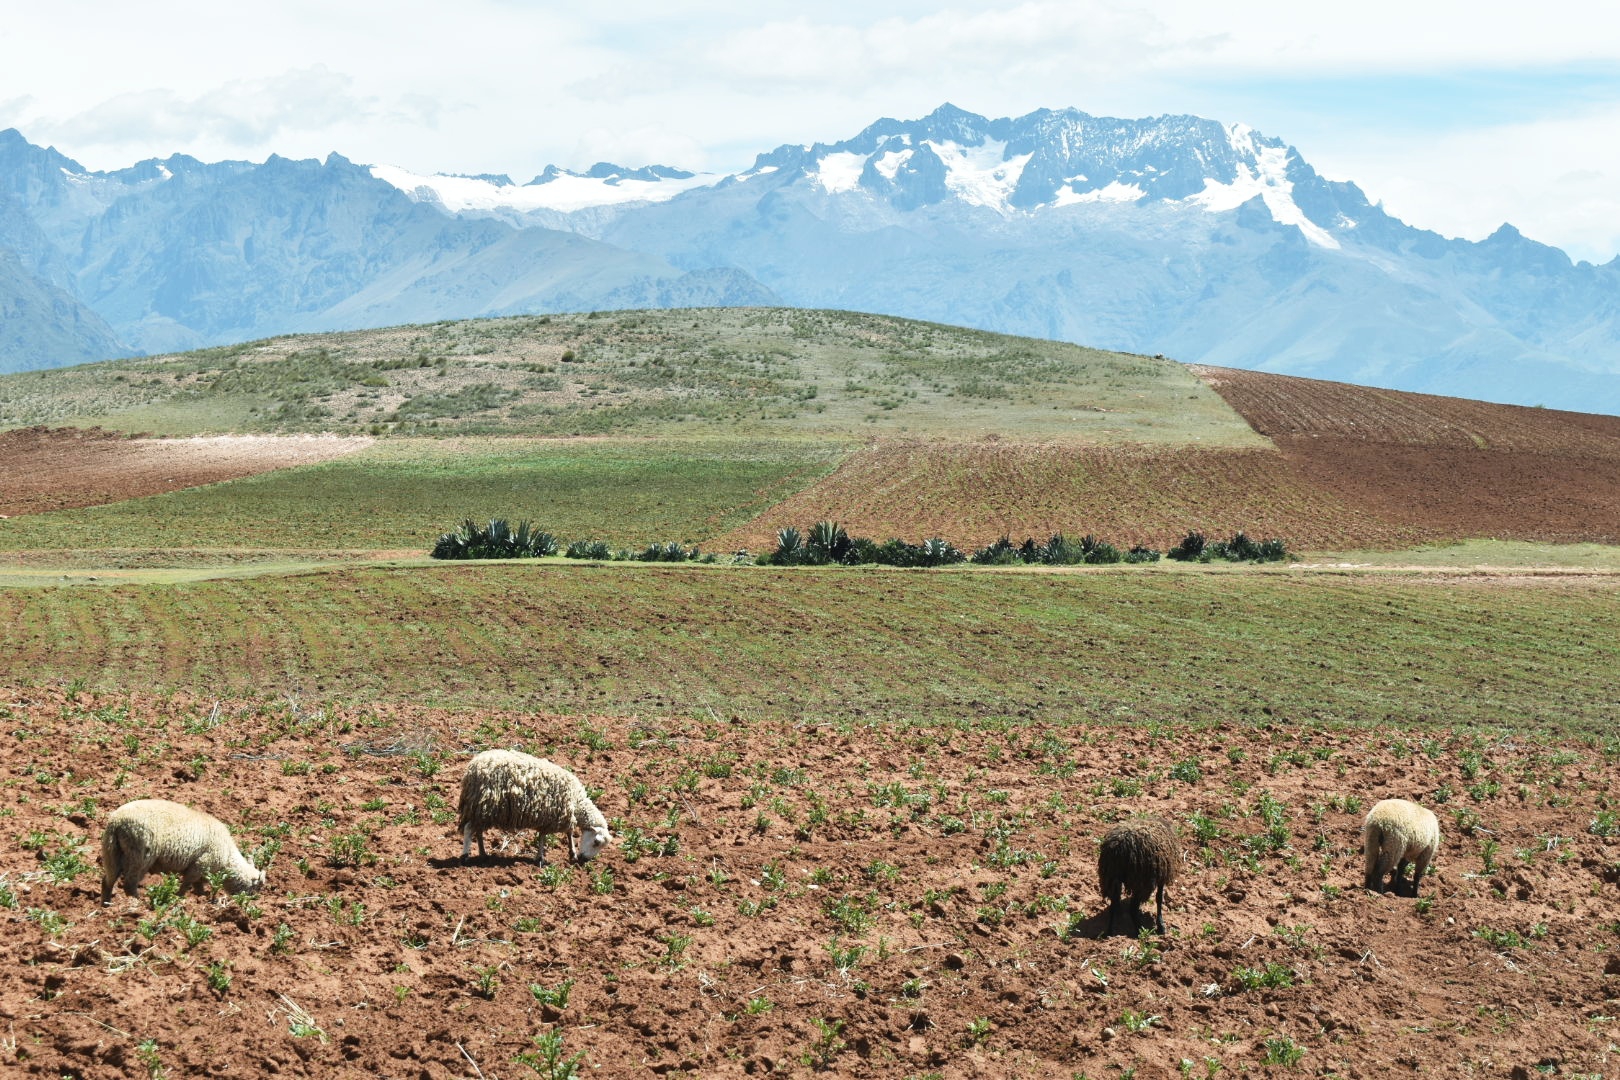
[(789, 546), (1098, 551), (1061, 551), (589, 549), (1000, 553), (1272, 551), (828, 542), (938, 552), (1190, 549), (494, 540)]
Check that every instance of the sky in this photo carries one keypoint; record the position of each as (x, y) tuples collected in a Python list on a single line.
[(1458, 117)]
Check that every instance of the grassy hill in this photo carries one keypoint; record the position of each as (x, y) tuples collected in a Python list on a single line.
[(739, 371), (718, 427)]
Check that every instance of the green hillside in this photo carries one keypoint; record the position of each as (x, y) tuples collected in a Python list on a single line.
[(732, 372)]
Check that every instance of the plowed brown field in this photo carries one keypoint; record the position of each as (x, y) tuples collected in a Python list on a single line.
[(864, 901), (1445, 467), (57, 469), (1354, 467), (972, 493)]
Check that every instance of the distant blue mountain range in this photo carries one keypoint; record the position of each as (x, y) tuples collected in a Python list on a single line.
[(1177, 235)]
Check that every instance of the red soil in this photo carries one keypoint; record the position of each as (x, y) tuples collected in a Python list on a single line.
[(952, 857), (58, 469), (1354, 467), (1448, 467), (972, 493)]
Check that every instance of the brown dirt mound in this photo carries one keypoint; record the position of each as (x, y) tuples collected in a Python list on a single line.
[(1444, 467), (62, 468), (866, 901)]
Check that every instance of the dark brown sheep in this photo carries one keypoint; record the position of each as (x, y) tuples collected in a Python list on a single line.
[(1138, 858)]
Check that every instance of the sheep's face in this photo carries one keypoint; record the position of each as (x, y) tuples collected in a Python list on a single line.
[(592, 841), (250, 884)]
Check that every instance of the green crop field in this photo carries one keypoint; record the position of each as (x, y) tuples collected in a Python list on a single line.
[(402, 493), (853, 645)]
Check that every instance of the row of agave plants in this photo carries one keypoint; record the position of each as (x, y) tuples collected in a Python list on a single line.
[(499, 540), (827, 543)]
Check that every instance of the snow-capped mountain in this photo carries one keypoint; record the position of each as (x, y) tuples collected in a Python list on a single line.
[(1175, 235)]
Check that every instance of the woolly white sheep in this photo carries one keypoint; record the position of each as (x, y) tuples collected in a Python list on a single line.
[(506, 790), (1138, 858), (1398, 832), (150, 835)]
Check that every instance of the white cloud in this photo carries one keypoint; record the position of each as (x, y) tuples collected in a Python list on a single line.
[(1468, 183), (243, 113), (513, 85)]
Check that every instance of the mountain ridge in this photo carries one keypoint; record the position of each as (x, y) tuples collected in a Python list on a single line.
[(1175, 234)]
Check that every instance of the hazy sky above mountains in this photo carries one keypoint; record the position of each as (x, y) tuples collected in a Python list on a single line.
[(1459, 116)]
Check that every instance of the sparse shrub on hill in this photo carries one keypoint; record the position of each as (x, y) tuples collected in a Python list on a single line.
[(496, 540), (1140, 554)]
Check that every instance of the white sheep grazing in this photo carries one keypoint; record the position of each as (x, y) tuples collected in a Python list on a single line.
[(150, 835), (1398, 832), (503, 789)]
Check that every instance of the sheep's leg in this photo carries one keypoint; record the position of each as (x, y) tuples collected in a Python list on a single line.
[(135, 868), (1159, 915), (109, 870), (1113, 907), (573, 851), (1398, 885), (539, 849), (1385, 864), (1418, 868), (466, 843), (1372, 841)]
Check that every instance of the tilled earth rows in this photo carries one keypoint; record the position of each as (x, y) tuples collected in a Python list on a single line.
[(869, 901)]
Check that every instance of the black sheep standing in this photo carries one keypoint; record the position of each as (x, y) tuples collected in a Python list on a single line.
[(1138, 857)]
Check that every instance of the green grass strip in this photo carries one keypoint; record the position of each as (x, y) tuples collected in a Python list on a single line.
[(872, 644), (403, 494)]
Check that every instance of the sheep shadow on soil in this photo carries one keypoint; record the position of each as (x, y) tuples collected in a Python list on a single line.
[(1130, 924)]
